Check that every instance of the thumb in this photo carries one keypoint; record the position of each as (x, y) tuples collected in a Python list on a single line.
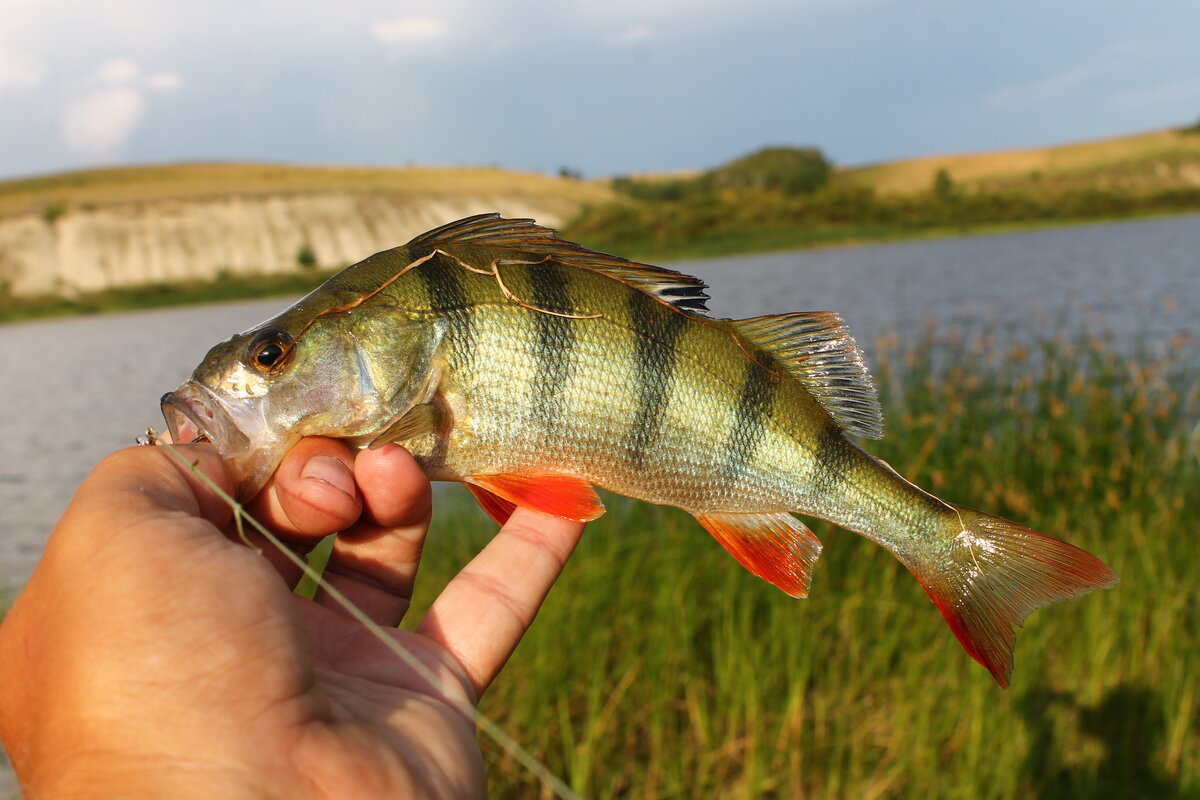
[(143, 483)]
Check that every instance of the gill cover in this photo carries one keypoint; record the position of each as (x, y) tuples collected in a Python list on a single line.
[(346, 374)]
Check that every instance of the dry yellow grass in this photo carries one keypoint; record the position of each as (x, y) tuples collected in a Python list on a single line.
[(1141, 153), (198, 181), (1158, 158)]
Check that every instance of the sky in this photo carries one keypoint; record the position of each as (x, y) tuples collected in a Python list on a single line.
[(603, 87)]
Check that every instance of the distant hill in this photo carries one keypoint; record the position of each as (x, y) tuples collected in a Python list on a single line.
[(1147, 161), (786, 197), (78, 233), (91, 231)]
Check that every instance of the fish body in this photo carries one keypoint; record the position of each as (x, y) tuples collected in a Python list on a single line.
[(532, 369)]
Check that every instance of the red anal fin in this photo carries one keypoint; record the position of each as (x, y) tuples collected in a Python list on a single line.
[(778, 548), (558, 495), (497, 508)]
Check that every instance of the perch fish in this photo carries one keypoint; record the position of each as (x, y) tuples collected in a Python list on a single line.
[(532, 370)]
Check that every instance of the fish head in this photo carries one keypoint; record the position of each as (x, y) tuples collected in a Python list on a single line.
[(340, 375)]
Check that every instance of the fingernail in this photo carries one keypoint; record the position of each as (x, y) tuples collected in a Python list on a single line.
[(329, 470)]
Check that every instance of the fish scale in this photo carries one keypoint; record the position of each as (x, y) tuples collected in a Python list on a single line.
[(561, 426), (533, 370)]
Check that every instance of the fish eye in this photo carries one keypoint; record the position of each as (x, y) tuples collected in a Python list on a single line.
[(269, 350), (269, 355)]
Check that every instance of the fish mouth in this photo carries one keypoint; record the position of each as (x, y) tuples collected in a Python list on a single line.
[(237, 428), (194, 413)]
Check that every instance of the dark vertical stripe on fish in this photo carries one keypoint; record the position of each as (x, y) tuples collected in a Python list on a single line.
[(832, 457), (656, 331), (443, 281), (447, 295), (555, 340), (741, 442), (831, 447)]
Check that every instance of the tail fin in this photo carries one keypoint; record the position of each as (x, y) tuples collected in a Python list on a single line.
[(994, 573)]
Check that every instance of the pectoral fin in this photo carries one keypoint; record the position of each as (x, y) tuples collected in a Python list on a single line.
[(778, 548), (563, 496), (417, 421)]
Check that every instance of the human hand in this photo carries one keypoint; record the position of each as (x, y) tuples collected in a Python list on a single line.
[(152, 654)]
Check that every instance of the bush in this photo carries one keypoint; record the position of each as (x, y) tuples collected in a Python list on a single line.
[(943, 185), (305, 257), (54, 212), (791, 170)]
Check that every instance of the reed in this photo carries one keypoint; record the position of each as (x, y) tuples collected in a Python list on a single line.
[(658, 668)]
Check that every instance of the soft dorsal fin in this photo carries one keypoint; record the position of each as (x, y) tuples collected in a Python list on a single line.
[(817, 349), (527, 238)]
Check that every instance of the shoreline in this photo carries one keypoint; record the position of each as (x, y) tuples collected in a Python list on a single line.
[(248, 287)]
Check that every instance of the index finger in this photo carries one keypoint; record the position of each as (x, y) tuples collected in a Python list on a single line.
[(312, 493), (484, 611)]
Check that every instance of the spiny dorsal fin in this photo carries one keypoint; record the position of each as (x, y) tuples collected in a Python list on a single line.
[(524, 236), (817, 349)]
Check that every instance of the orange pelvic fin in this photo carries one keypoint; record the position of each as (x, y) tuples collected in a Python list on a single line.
[(997, 572), (558, 495), (778, 547), (496, 507)]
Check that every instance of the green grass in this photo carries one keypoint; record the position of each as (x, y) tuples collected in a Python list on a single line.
[(717, 213), (713, 223), (658, 668)]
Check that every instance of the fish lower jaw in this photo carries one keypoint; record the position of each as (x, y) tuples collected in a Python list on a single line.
[(187, 421), (194, 413)]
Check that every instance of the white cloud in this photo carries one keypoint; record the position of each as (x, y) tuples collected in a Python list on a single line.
[(1048, 88), (1180, 92), (410, 31), (164, 81), (632, 35), (18, 71), (100, 122), (1116, 65), (118, 71)]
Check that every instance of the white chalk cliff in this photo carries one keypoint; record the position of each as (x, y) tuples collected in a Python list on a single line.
[(87, 249)]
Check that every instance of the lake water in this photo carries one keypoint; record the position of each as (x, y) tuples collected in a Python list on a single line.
[(76, 389)]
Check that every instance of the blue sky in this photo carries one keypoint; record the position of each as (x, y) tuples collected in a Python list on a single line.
[(603, 86)]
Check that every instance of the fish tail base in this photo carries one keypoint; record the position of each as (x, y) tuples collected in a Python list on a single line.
[(994, 573)]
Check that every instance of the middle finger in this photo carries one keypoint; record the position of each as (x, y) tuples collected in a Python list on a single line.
[(375, 561)]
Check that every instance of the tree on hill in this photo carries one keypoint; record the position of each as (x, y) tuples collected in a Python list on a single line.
[(943, 186), (791, 170)]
